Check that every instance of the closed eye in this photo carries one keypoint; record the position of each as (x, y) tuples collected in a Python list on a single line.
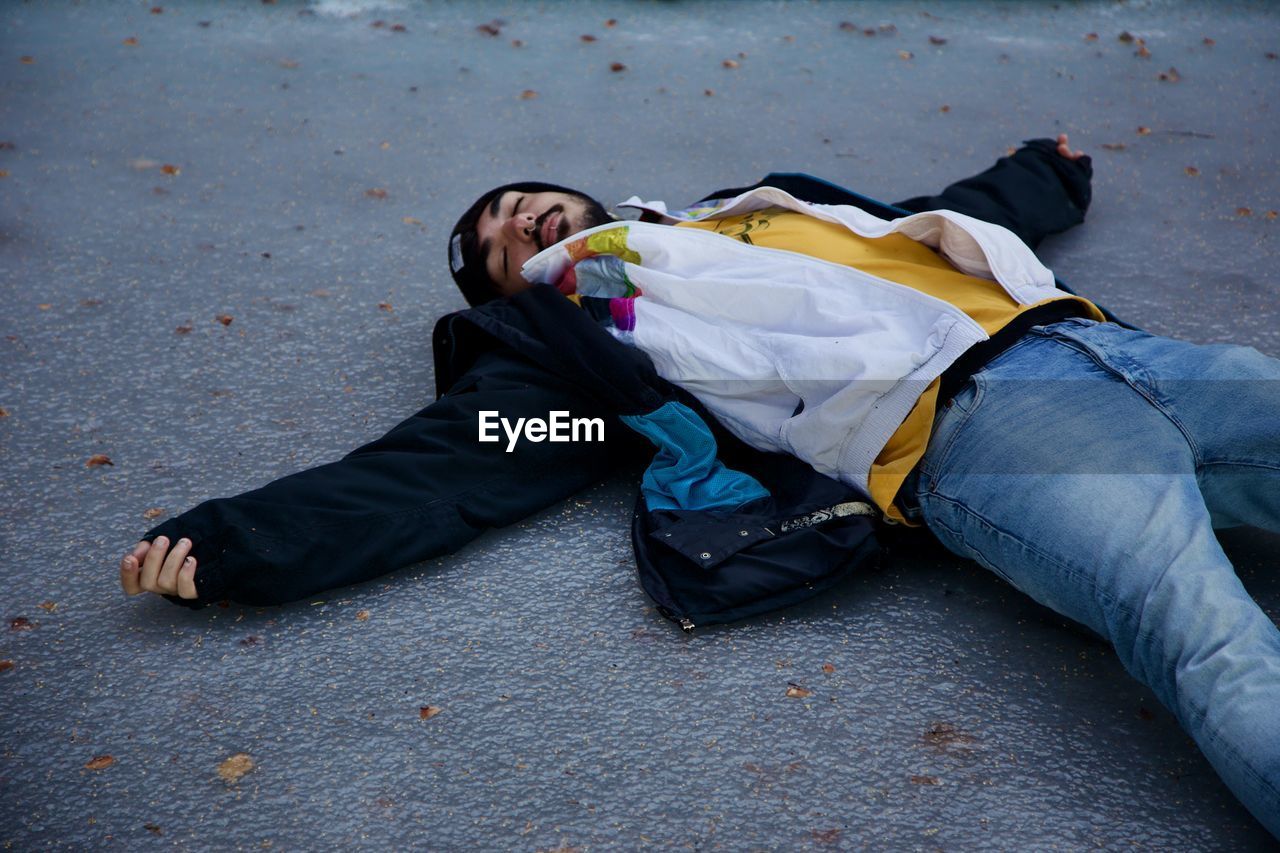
[(514, 209)]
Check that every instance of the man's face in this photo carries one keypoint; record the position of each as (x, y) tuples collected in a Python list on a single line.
[(516, 226)]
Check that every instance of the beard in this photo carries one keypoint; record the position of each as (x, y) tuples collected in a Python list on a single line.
[(593, 214)]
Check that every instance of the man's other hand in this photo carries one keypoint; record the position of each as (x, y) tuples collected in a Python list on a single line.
[(1065, 150), (152, 567)]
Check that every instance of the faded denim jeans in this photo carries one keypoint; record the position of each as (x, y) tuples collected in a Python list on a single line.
[(1088, 466)]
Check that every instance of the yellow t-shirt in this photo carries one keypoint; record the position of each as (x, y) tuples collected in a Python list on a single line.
[(899, 259)]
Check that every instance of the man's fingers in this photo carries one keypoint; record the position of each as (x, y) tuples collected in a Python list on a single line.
[(129, 575), (153, 563), (187, 579), (167, 580)]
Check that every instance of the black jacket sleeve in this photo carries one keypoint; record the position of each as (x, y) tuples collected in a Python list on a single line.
[(424, 489), (1034, 192)]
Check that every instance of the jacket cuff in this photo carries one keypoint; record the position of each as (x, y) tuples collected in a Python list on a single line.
[(1076, 175), (210, 576)]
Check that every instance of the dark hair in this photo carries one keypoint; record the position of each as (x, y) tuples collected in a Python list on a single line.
[(465, 263)]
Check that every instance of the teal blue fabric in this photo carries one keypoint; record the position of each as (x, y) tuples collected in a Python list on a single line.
[(685, 473)]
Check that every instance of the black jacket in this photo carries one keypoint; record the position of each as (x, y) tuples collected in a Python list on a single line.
[(428, 487)]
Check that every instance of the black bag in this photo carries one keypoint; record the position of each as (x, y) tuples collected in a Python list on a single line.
[(707, 568)]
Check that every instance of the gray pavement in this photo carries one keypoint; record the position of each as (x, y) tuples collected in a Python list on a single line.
[(955, 713)]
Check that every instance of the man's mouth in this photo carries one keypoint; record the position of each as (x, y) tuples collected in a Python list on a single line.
[(548, 228)]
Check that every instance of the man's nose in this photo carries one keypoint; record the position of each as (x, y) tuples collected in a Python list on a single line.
[(520, 226)]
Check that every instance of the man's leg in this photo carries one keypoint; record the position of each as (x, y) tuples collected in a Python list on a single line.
[(1063, 469)]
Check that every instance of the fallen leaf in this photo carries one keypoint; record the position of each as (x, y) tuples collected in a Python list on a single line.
[(868, 32), (517, 43), (6, 665), (48, 606), (828, 668), (1142, 52), (612, 22), (943, 735), (488, 30), (528, 95), (729, 63), (45, 306), (378, 23), (945, 108), (1271, 214), (924, 780), (1091, 37), (848, 26), (159, 191), (1171, 75), (385, 306), (399, 28), (1192, 171), (98, 459), (376, 192), (182, 330), (825, 836), (789, 39), (1126, 36), (27, 60), (1243, 211), (131, 41), (905, 54), (320, 291), (153, 512), (4, 413), (90, 303), (1210, 42), (426, 712), (1143, 131), (362, 616), (617, 66), (795, 691), (411, 220), (7, 146), (157, 10), (99, 762), (708, 92), (4, 173), (153, 829), (20, 623), (170, 169), (288, 63), (1113, 146), (234, 767), (587, 37), (224, 319), (937, 40)]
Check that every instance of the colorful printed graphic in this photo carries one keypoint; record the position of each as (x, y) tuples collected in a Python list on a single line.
[(610, 242)]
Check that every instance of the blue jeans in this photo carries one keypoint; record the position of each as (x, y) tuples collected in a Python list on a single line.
[(1088, 465)]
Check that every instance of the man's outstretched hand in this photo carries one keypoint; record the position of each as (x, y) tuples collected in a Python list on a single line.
[(1065, 150), (152, 567)]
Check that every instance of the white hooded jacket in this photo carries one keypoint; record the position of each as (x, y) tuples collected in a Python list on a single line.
[(791, 353)]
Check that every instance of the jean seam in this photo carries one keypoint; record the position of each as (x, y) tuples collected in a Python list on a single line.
[(1071, 343), (931, 470), (1097, 591)]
